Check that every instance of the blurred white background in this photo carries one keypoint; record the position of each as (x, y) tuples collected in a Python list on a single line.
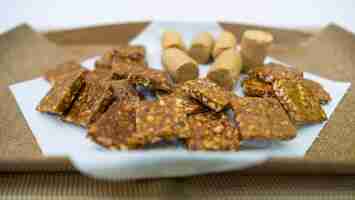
[(44, 15)]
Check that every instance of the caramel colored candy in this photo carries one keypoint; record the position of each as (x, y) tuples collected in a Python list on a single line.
[(148, 77), (122, 90), (93, 100), (132, 54), (299, 102), (61, 96), (213, 132), (172, 39), (91, 103), (161, 119), (317, 90), (208, 93), (257, 88), (254, 48), (272, 72), (226, 69), (262, 118), (226, 40), (179, 65), (201, 47), (189, 105), (116, 127)]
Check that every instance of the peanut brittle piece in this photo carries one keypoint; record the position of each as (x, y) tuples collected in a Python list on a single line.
[(93, 100), (257, 88), (271, 72), (299, 102), (122, 90), (150, 78), (161, 119), (317, 90), (131, 54), (61, 70), (188, 104), (124, 70), (208, 93), (212, 131), (116, 127), (134, 54), (61, 96), (102, 75), (262, 118)]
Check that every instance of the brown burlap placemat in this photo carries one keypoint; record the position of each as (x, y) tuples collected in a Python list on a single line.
[(60, 186), (26, 54)]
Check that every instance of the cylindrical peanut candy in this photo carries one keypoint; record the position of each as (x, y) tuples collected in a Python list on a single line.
[(201, 47), (179, 65), (226, 40), (172, 39), (226, 69), (254, 47)]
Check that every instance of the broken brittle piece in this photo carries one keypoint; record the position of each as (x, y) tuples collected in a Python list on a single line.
[(122, 90), (161, 119), (93, 100), (131, 54), (123, 70), (299, 102), (317, 90), (262, 118), (188, 104), (134, 54), (271, 72), (212, 131), (151, 78), (102, 75), (61, 70), (208, 93), (59, 99), (116, 127), (257, 88)]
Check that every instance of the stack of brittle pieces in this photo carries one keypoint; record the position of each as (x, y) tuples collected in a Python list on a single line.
[(109, 102), (301, 98)]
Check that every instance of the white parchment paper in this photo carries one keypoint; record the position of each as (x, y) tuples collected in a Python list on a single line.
[(58, 138)]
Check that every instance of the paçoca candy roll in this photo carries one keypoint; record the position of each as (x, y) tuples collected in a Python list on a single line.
[(201, 47), (226, 68), (179, 65), (225, 40)]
